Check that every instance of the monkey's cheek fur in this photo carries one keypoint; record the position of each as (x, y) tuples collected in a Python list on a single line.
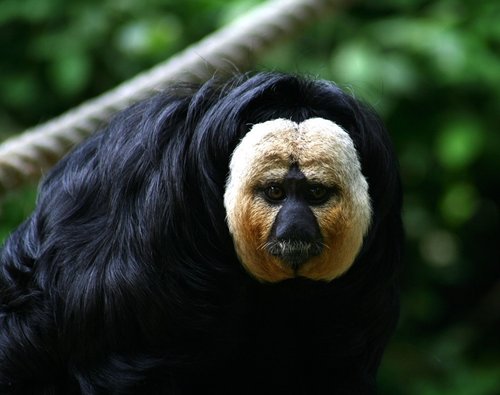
[(250, 228), (342, 240)]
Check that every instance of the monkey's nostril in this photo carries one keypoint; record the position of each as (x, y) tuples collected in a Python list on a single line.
[(296, 234)]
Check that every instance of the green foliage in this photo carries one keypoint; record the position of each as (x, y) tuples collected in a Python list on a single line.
[(15, 207), (431, 68), (460, 142)]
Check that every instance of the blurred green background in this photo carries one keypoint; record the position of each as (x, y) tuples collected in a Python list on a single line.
[(431, 68)]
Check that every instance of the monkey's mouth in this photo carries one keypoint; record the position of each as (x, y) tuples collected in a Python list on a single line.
[(294, 252)]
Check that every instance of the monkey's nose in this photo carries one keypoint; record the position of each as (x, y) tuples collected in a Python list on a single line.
[(296, 221), (295, 236)]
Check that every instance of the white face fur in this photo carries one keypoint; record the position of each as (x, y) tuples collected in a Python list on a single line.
[(325, 154)]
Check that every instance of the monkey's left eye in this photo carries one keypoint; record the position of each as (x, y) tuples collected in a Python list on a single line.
[(274, 193), (317, 194)]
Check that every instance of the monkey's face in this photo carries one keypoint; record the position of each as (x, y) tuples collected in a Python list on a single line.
[(297, 203)]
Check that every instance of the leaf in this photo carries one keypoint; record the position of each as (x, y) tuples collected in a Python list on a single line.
[(459, 203), (70, 73), (459, 143)]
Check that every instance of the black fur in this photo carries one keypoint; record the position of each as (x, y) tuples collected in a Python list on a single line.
[(125, 281)]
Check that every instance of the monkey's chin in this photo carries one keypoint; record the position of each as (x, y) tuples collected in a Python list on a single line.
[(275, 263)]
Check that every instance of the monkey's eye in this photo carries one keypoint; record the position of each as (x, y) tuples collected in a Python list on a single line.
[(317, 194), (274, 193)]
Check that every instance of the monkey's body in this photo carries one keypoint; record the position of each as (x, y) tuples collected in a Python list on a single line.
[(290, 343), (138, 272)]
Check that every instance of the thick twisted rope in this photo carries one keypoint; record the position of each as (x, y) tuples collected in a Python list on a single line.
[(25, 157)]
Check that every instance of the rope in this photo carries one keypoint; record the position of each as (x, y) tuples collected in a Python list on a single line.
[(27, 156)]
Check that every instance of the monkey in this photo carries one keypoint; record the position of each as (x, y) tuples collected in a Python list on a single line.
[(238, 236)]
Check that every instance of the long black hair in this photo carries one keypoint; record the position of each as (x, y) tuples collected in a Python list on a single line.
[(125, 280)]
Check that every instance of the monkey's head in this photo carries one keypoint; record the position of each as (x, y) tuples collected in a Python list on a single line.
[(297, 203)]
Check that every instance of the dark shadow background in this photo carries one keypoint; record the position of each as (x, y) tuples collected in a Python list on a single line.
[(431, 68)]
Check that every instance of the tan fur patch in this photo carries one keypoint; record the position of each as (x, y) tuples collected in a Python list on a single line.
[(325, 154)]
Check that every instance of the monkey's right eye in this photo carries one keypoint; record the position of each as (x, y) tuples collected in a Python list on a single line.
[(274, 193)]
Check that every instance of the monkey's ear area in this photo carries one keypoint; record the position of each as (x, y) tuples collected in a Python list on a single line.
[(378, 159), (384, 242)]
